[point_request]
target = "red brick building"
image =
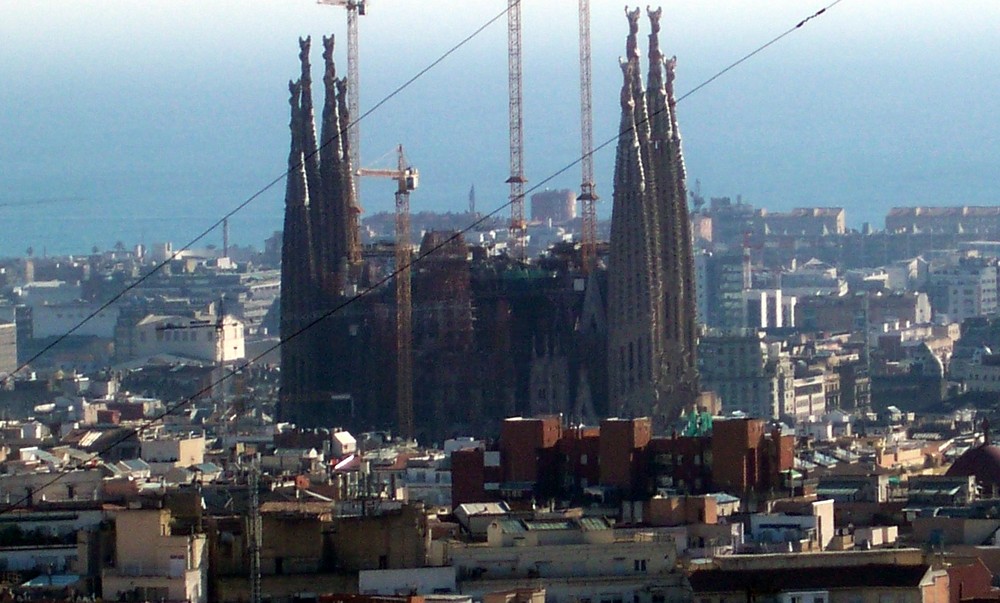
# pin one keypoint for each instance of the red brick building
(622, 442)
(537, 458)
(746, 457)
(523, 445)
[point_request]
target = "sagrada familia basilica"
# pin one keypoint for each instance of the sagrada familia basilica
(492, 336)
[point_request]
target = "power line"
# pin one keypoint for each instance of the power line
(758, 50)
(418, 258)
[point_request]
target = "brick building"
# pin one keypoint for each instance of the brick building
(539, 459)
(621, 443)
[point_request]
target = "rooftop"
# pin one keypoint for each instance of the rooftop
(811, 578)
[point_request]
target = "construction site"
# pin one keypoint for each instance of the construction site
(450, 335)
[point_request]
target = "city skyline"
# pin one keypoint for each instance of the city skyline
(181, 114)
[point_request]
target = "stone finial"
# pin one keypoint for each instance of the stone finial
(304, 45)
(671, 71)
(328, 49)
(342, 95)
(654, 18)
(632, 45)
(655, 56)
(345, 117)
(294, 91)
(626, 96)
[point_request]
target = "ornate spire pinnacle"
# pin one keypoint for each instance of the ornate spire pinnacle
(308, 121)
(293, 195)
(675, 131)
(332, 148)
(627, 104)
(353, 251)
(656, 94)
(632, 43)
(331, 221)
(654, 35)
(345, 120)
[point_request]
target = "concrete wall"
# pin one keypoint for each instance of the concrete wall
(680, 510)
(422, 581)
(657, 556)
(73, 485)
(953, 530)
(54, 558)
(393, 540)
(182, 452)
(912, 556)
(292, 544)
(148, 556)
(55, 320)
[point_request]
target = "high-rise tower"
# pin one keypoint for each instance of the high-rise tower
(651, 329)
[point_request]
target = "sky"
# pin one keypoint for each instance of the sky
(146, 121)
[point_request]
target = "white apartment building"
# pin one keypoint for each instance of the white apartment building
(8, 348)
(749, 374)
(966, 289)
(809, 398)
(203, 337)
(576, 560)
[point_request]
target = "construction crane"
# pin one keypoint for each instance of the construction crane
(355, 9)
(588, 196)
(518, 226)
(407, 179)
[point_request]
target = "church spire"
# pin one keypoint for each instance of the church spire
(296, 261)
(308, 121)
(650, 332)
(689, 329)
(353, 234)
(630, 274)
(334, 216)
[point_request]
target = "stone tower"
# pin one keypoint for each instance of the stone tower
(319, 245)
(652, 336)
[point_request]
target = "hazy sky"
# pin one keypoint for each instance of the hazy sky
(178, 109)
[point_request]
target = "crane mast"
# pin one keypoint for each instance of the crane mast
(588, 196)
(407, 179)
(518, 226)
(355, 8)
